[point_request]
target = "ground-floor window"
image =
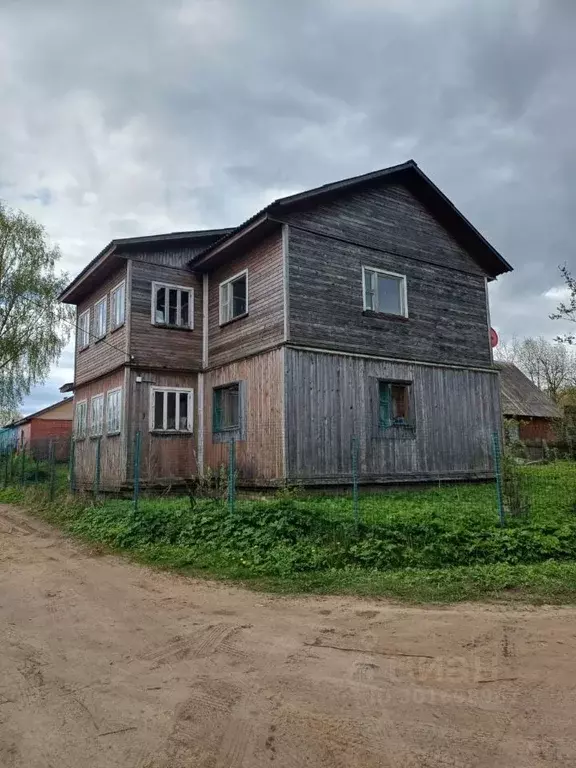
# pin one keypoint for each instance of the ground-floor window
(393, 404)
(171, 410)
(113, 411)
(80, 419)
(96, 415)
(226, 408)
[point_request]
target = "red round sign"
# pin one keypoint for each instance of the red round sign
(493, 337)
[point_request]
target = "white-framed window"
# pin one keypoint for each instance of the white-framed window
(84, 330)
(172, 305)
(117, 305)
(234, 297)
(100, 317)
(384, 292)
(113, 411)
(171, 409)
(96, 415)
(80, 419)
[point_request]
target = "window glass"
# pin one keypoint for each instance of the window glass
(384, 292)
(117, 304)
(226, 406)
(172, 305)
(158, 410)
(113, 411)
(171, 410)
(184, 308)
(96, 414)
(80, 426)
(233, 298)
(160, 315)
(183, 411)
(393, 404)
(84, 329)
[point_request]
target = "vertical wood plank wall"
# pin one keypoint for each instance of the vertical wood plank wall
(330, 400)
(260, 456)
(164, 458)
(112, 448)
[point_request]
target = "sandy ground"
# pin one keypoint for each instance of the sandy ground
(104, 663)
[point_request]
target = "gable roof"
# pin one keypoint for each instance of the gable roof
(41, 412)
(521, 397)
(114, 254)
(409, 174)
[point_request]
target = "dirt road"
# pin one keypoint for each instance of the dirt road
(105, 664)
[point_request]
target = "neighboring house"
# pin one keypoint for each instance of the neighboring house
(355, 310)
(531, 416)
(52, 424)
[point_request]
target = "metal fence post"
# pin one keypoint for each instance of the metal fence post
(23, 464)
(231, 474)
(71, 464)
(498, 470)
(97, 469)
(52, 463)
(354, 446)
(137, 443)
(6, 461)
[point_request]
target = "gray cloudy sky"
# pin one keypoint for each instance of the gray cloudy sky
(144, 116)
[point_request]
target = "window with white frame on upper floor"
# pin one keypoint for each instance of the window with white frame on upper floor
(96, 415)
(384, 292)
(117, 305)
(113, 411)
(80, 419)
(84, 329)
(234, 297)
(171, 409)
(100, 317)
(172, 305)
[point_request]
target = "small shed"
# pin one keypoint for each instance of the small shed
(53, 423)
(531, 413)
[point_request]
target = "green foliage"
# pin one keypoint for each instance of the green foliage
(34, 325)
(434, 543)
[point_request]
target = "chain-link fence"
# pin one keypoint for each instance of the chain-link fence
(486, 481)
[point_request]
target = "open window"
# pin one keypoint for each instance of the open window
(384, 292)
(171, 410)
(172, 305)
(234, 297)
(394, 405)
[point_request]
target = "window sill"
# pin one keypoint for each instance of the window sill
(116, 433)
(96, 437)
(234, 319)
(80, 438)
(170, 327)
(83, 349)
(171, 432)
(384, 315)
(398, 432)
(99, 339)
(116, 328)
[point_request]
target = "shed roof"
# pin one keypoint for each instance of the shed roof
(521, 397)
(41, 412)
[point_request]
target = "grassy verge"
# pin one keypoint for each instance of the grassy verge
(434, 545)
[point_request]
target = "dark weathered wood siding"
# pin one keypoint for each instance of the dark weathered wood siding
(260, 455)
(332, 398)
(448, 319)
(112, 448)
(164, 458)
(152, 345)
(104, 354)
(264, 325)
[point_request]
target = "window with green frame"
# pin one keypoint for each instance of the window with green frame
(226, 408)
(393, 404)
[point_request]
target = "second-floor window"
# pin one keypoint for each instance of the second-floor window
(172, 305)
(100, 318)
(84, 330)
(384, 292)
(234, 297)
(117, 305)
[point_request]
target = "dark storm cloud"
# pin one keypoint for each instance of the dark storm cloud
(137, 117)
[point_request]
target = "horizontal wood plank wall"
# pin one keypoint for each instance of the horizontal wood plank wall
(152, 345)
(447, 318)
(260, 456)
(108, 353)
(163, 458)
(330, 399)
(112, 448)
(388, 216)
(264, 325)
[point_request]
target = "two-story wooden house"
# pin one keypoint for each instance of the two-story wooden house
(355, 310)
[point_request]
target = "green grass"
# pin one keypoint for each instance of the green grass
(434, 544)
